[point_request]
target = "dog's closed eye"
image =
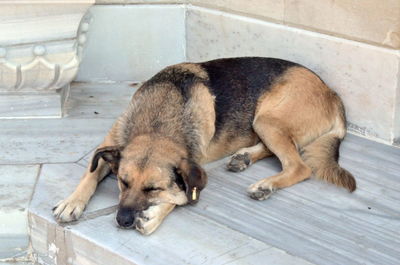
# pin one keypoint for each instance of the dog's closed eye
(152, 189)
(124, 183)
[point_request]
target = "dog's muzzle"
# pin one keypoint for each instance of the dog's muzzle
(126, 217)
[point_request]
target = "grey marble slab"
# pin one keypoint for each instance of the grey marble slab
(16, 188)
(312, 221)
(98, 101)
(16, 263)
(50, 140)
(57, 181)
(315, 220)
(34, 105)
(85, 160)
(184, 238)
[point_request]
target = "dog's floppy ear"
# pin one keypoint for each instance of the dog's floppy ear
(110, 154)
(194, 178)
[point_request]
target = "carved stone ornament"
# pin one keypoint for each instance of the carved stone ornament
(40, 47)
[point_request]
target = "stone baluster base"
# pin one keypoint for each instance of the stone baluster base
(40, 48)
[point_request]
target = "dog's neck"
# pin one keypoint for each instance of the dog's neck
(154, 146)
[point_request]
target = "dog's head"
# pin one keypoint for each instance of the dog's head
(150, 173)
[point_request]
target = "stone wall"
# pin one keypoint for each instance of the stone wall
(371, 21)
(353, 45)
(132, 42)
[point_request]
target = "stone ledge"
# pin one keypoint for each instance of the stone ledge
(359, 226)
(365, 76)
(185, 237)
(346, 19)
(16, 188)
(28, 105)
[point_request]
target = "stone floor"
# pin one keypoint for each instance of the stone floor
(309, 223)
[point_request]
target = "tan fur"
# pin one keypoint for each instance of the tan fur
(193, 68)
(152, 174)
(301, 103)
(201, 105)
(256, 152)
(319, 155)
(243, 158)
(285, 126)
(225, 146)
(152, 217)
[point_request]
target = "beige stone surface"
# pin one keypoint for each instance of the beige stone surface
(371, 21)
(368, 20)
(111, 2)
(365, 76)
(273, 9)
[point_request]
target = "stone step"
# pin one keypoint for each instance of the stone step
(16, 188)
(184, 238)
(311, 222)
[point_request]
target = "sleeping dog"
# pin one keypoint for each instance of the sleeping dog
(193, 113)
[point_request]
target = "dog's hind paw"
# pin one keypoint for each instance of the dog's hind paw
(68, 210)
(259, 193)
(239, 162)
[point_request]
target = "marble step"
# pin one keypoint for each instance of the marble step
(184, 238)
(309, 223)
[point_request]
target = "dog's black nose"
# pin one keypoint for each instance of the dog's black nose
(125, 217)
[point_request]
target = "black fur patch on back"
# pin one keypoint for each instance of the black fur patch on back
(237, 83)
(182, 79)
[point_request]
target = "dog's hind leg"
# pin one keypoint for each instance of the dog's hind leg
(243, 158)
(71, 208)
(277, 139)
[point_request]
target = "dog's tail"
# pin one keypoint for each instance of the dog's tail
(323, 153)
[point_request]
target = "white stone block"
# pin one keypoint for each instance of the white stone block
(396, 133)
(26, 22)
(40, 44)
(17, 183)
(132, 42)
(33, 105)
(28, 141)
(365, 76)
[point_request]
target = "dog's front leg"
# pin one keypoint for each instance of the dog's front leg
(71, 208)
(148, 220)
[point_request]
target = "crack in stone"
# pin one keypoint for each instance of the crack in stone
(92, 215)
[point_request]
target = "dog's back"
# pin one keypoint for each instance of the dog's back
(212, 108)
(237, 84)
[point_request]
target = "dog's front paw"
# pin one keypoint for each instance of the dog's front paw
(148, 220)
(146, 225)
(68, 210)
(239, 162)
(259, 192)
